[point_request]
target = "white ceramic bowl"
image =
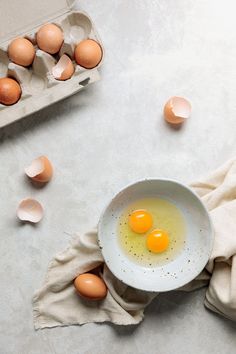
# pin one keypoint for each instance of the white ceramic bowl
(188, 264)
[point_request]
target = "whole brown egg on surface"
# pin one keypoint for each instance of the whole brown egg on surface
(88, 53)
(90, 286)
(21, 51)
(50, 38)
(10, 91)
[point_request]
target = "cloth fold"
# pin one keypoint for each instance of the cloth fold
(57, 303)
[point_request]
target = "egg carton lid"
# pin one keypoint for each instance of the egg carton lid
(20, 16)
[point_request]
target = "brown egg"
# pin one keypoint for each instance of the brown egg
(10, 91)
(64, 69)
(177, 110)
(90, 286)
(49, 38)
(88, 53)
(40, 170)
(21, 51)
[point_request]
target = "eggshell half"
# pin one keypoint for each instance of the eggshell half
(64, 69)
(177, 110)
(40, 170)
(90, 286)
(30, 210)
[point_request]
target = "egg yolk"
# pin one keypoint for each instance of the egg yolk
(157, 241)
(140, 221)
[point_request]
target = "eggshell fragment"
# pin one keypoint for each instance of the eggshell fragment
(30, 210)
(21, 51)
(64, 69)
(177, 110)
(90, 286)
(10, 91)
(50, 38)
(88, 53)
(40, 170)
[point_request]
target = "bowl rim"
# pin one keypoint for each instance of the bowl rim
(182, 185)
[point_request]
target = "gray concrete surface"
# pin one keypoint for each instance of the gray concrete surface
(107, 136)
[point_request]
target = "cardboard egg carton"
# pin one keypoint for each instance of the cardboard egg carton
(39, 87)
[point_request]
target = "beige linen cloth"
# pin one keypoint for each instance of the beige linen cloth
(57, 303)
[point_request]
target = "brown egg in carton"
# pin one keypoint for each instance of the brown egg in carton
(50, 77)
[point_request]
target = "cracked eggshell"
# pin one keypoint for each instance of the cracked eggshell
(30, 210)
(64, 69)
(177, 110)
(40, 170)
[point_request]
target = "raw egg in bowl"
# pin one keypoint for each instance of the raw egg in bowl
(156, 235)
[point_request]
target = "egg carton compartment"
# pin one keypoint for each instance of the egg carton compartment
(39, 86)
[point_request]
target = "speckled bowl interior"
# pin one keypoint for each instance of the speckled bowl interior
(186, 266)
